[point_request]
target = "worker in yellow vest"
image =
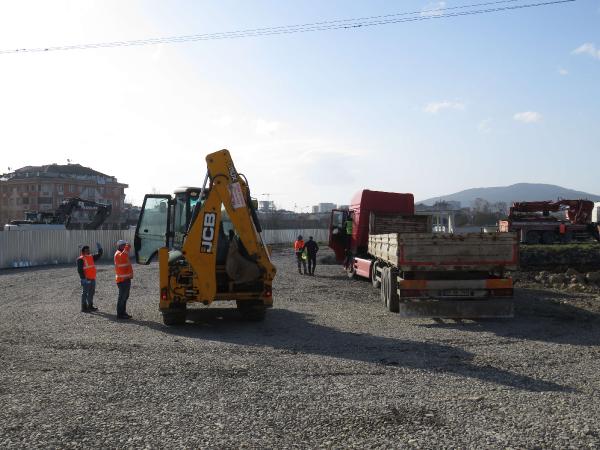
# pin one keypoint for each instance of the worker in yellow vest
(123, 276)
(86, 268)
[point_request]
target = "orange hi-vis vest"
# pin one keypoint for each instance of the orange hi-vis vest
(89, 268)
(123, 269)
(298, 246)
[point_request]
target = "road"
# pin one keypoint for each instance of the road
(329, 367)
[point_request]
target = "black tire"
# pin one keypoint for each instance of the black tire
(392, 298)
(252, 311)
(382, 291)
(174, 318)
(376, 282)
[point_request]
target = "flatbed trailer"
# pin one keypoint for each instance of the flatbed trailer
(445, 275)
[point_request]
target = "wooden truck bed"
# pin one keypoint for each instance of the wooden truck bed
(441, 252)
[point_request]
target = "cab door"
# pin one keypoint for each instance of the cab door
(339, 241)
(152, 230)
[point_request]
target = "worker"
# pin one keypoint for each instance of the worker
(299, 249)
(349, 225)
(311, 248)
(123, 275)
(86, 268)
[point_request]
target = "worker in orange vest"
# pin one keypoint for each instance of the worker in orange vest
(299, 250)
(86, 268)
(123, 276)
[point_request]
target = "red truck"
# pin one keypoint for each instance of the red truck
(420, 273)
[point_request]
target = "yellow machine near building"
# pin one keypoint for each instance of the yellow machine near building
(208, 244)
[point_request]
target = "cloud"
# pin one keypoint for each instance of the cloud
(528, 117)
(434, 9)
(436, 107)
(266, 128)
(484, 126)
(562, 71)
(589, 49)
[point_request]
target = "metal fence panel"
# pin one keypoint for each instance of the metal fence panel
(43, 247)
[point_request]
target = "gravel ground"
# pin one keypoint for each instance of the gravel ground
(328, 368)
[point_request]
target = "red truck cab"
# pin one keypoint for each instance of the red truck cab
(351, 249)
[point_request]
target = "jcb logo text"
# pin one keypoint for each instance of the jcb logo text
(208, 232)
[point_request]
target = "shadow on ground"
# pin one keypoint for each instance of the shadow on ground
(540, 315)
(296, 333)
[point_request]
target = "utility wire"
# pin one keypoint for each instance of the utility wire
(348, 24)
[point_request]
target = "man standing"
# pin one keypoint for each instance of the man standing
(311, 250)
(87, 273)
(298, 249)
(123, 275)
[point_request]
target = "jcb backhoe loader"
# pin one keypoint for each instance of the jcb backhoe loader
(208, 244)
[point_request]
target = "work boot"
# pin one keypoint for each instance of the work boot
(92, 308)
(85, 309)
(124, 316)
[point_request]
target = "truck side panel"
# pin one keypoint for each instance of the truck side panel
(442, 252)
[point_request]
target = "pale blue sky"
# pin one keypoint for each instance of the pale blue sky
(430, 107)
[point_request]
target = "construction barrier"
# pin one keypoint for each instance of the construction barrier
(44, 247)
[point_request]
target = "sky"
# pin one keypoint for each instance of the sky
(429, 107)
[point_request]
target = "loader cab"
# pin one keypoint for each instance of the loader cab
(164, 220)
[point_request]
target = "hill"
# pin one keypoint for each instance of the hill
(512, 193)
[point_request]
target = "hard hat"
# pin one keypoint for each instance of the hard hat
(121, 242)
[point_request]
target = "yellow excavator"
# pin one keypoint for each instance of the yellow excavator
(208, 244)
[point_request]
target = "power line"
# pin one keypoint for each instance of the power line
(338, 24)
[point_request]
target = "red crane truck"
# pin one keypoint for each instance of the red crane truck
(420, 273)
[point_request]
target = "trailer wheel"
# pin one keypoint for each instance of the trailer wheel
(392, 298)
(382, 285)
(376, 282)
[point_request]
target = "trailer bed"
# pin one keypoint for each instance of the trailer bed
(410, 252)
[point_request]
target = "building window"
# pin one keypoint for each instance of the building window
(25, 200)
(59, 188)
(71, 188)
(31, 187)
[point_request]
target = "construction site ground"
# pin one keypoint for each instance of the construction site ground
(329, 367)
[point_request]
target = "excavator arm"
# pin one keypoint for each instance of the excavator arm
(230, 190)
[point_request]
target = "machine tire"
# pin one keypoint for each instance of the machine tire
(252, 311)
(174, 318)
(391, 295)
(376, 283)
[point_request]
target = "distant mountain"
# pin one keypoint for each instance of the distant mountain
(513, 193)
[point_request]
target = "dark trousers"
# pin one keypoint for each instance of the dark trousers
(124, 287)
(312, 263)
(301, 262)
(88, 289)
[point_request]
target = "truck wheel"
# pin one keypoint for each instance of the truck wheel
(393, 301)
(174, 318)
(252, 311)
(376, 282)
(383, 284)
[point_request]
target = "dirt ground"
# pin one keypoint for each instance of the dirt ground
(329, 367)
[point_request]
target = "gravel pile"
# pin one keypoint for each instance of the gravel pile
(328, 368)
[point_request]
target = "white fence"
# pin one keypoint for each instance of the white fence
(43, 247)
